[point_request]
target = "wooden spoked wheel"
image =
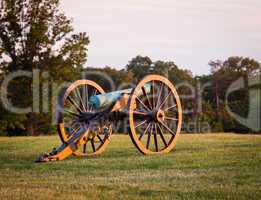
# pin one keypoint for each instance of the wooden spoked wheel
(73, 104)
(155, 115)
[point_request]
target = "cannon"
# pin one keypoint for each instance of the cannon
(86, 115)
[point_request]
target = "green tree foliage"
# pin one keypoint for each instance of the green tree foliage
(223, 75)
(36, 34)
(139, 66)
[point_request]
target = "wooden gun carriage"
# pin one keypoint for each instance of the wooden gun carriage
(86, 114)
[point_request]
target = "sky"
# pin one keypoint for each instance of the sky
(188, 32)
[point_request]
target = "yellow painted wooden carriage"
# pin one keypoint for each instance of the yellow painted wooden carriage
(86, 115)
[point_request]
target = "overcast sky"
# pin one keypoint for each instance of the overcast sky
(188, 32)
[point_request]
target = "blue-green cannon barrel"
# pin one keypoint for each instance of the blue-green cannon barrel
(107, 99)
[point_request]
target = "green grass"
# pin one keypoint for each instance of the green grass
(213, 166)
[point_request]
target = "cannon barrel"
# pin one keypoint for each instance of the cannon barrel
(107, 99)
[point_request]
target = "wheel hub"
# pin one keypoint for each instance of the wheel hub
(160, 116)
(157, 115)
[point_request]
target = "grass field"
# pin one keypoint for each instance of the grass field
(213, 166)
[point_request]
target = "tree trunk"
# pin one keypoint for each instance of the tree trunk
(30, 125)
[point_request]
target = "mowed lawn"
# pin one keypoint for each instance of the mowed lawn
(209, 166)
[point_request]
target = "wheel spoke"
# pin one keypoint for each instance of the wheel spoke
(93, 146)
(167, 109)
(145, 94)
(87, 96)
(152, 90)
(142, 104)
(146, 130)
(148, 139)
(99, 137)
(84, 99)
(80, 99)
(71, 113)
(159, 97)
(140, 124)
(74, 104)
(166, 127)
(75, 124)
(162, 136)
(155, 138)
(171, 118)
(139, 113)
(75, 130)
(84, 147)
(166, 98)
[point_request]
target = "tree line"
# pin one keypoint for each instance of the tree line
(37, 35)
